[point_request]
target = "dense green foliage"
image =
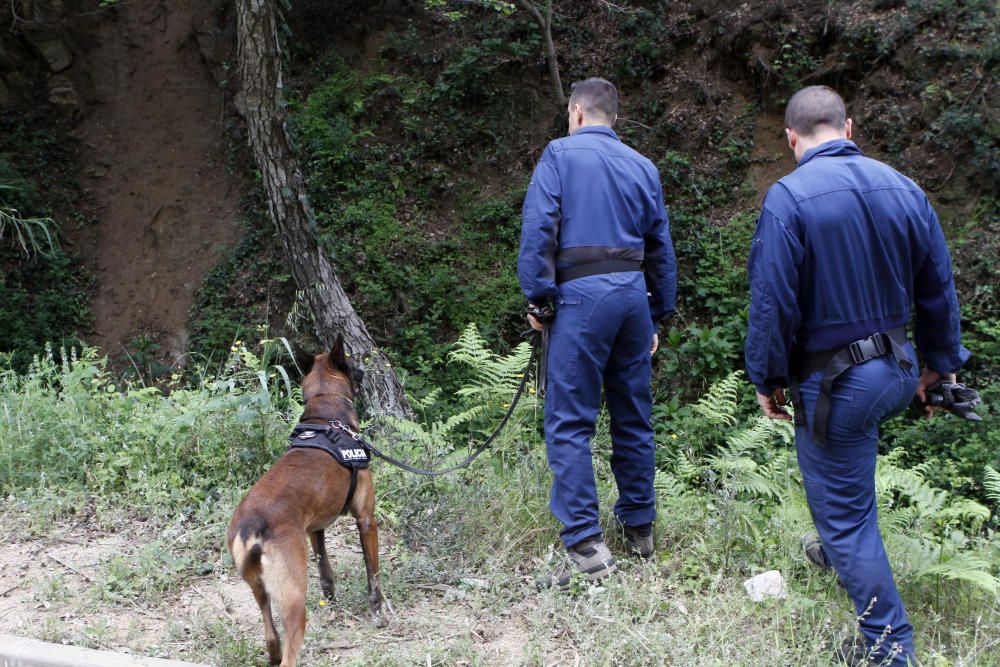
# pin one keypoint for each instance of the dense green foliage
(729, 498)
(417, 142)
(43, 292)
(416, 279)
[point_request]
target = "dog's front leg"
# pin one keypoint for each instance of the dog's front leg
(318, 540)
(368, 530)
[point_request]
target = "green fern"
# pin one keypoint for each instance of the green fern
(931, 525)
(991, 484)
(496, 379)
(496, 375)
(720, 404)
(667, 485)
(963, 566)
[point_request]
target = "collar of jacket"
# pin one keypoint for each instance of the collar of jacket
(600, 129)
(833, 148)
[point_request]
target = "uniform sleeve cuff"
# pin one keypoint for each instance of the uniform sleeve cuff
(947, 362)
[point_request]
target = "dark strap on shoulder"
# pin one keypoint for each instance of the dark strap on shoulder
(833, 364)
(596, 268)
(350, 490)
(324, 437)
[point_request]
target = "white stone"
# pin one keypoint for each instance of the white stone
(765, 585)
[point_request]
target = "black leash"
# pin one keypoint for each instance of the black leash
(539, 341)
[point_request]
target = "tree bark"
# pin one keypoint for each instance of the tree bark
(550, 49)
(259, 60)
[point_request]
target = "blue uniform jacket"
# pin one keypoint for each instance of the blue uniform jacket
(844, 245)
(589, 189)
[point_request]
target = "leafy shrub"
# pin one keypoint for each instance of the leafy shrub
(70, 426)
(43, 290)
(407, 272)
(42, 298)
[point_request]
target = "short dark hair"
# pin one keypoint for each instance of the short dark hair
(595, 96)
(815, 106)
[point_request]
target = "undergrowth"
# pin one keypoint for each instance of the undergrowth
(74, 445)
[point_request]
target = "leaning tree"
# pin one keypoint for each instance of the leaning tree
(259, 58)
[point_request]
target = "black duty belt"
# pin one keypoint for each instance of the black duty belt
(833, 363)
(597, 268)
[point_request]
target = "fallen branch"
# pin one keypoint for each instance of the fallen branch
(215, 604)
(70, 567)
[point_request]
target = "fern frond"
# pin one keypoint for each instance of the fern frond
(964, 567)
(964, 510)
(668, 486)
(991, 484)
(898, 519)
(720, 404)
(496, 376)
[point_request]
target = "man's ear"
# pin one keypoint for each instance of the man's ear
(337, 359)
(793, 138)
(848, 128)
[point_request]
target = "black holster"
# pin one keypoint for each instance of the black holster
(834, 363)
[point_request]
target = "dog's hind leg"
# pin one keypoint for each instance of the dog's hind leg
(363, 509)
(246, 544)
(270, 634)
(285, 574)
(318, 540)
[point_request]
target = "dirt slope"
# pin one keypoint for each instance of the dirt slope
(153, 162)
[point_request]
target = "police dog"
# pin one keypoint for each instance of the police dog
(293, 502)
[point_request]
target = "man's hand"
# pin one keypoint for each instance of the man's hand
(533, 321)
(927, 378)
(771, 405)
(656, 344)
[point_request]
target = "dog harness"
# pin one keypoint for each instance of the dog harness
(336, 442)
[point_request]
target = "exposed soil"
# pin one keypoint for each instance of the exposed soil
(154, 167)
(50, 589)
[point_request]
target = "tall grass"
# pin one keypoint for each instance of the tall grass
(729, 498)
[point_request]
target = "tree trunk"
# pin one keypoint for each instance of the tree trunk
(259, 60)
(550, 49)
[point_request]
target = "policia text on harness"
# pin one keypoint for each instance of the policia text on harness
(833, 364)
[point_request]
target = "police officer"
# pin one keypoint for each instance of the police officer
(845, 248)
(595, 244)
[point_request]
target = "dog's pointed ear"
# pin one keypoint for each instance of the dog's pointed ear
(337, 358)
(303, 360)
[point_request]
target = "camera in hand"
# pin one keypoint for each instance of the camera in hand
(954, 397)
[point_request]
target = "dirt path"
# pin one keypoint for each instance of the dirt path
(83, 585)
(153, 162)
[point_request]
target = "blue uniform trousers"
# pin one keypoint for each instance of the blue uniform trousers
(839, 482)
(601, 337)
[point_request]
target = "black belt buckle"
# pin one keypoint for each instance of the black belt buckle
(868, 348)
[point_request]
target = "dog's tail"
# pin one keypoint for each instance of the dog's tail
(247, 545)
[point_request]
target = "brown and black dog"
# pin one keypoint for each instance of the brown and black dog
(303, 493)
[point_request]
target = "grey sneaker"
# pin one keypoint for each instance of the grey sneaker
(590, 557)
(640, 540)
(813, 548)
